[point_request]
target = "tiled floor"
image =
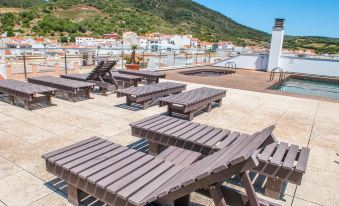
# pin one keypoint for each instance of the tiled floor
(26, 135)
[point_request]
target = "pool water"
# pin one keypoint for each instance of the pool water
(314, 87)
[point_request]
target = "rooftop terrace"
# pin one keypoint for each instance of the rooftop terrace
(26, 135)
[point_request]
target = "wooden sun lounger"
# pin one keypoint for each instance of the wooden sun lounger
(30, 93)
(191, 102)
(97, 75)
(118, 176)
(145, 94)
(279, 162)
(73, 88)
(123, 80)
(149, 76)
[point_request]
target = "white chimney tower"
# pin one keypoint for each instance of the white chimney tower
(276, 44)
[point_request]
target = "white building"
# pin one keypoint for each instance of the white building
(182, 41)
(129, 39)
(85, 41)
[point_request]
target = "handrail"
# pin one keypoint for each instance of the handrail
(230, 67)
(277, 70)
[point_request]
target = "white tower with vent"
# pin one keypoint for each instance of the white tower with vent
(276, 44)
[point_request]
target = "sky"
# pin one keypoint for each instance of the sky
(303, 17)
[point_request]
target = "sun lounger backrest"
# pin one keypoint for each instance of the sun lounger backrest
(101, 70)
(239, 151)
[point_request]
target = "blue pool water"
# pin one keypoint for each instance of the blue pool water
(314, 87)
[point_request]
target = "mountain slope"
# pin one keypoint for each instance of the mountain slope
(71, 18)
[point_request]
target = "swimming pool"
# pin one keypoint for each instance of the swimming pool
(315, 86)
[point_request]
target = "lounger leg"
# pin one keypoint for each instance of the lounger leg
(49, 100)
(252, 197)
(217, 196)
(273, 187)
(103, 91)
(220, 103)
(183, 201)
(153, 148)
(88, 93)
(128, 102)
(145, 105)
(169, 110)
(73, 195)
(209, 107)
(190, 116)
(26, 104)
(11, 99)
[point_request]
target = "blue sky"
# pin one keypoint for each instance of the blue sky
(303, 17)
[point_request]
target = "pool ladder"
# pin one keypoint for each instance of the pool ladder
(230, 67)
(281, 74)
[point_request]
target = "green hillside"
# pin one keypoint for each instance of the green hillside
(70, 18)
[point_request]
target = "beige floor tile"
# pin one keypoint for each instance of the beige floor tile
(124, 138)
(52, 199)
(22, 188)
(317, 194)
(7, 168)
(300, 202)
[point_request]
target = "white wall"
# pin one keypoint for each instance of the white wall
(310, 66)
(256, 62)
(275, 49)
(292, 64)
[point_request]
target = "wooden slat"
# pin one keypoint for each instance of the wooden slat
(133, 176)
(89, 156)
(229, 139)
(279, 154)
(257, 141)
(211, 137)
(70, 147)
(140, 196)
(178, 128)
(99, 159)
(78, 155)
(144, 120)
(124, 169)
(75, 150)
(268, 151)
(166, 152)
(302, 160)
(99, 167)
(291, 157)
(192, 132)
(200, 134)
(144, 180)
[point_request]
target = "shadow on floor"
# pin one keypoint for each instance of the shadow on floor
(20, 103)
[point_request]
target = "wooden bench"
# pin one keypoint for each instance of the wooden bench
(30, 93)
(149, 76)
(279, 162)
(118, 175)
(145, 94)
(74, 89)
(191, 102)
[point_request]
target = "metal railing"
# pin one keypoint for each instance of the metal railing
(25, 61)
(277, 70)
(230, 67)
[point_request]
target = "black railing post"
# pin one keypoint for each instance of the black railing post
(65, 61)
(196, 57)
(209, 57)
(143, 58)
(160, 59)
(186, 58)
(25, 69)
(174, 59)
(122, 59)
